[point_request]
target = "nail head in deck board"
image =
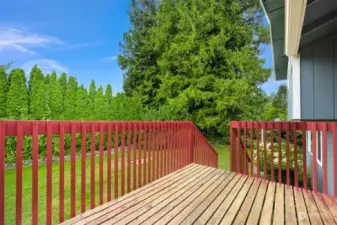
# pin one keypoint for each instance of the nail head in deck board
(231, 213)
(290, 206)
(311, 207)
(248, 203)
(279, 205)
(301, 209)
(207, 214)
(117, 214)
(218, 215)
(255, 212)
(207, 202)
(170, 215)
(151, 208)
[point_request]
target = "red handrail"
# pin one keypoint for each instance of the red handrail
(149, 150)
(286, 134)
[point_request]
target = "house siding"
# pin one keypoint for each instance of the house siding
(319, 81)
(318, 90)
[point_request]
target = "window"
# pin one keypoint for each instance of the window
(319, 145)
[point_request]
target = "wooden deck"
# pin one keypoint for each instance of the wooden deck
(203, 195)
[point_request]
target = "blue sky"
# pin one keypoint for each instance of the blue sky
(78, 37)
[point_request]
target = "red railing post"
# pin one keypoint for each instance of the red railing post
(294, 130)
(134, 136)
(139, 126)
(49, 173)
(19, 141)
(304, 155)
(2, 171)
(101, 138)
(314, 157)
(116, 160)
(245, 147)
(73, 171)
(264, 127)
(325, 159)
(123, 159)
(109, 162)
(129, 157)
(334, 150)
(83, 167)
(287, 153)
(61, 171)
(258, 149)
(92, 166)
(35, 176)
(272, 151)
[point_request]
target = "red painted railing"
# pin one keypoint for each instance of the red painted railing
(277, 151)
(145, 151)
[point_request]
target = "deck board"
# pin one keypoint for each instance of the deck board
(203, 195)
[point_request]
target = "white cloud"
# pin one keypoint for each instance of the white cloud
(79, 45)
(46, 65)
(23, 41)
(110, 59)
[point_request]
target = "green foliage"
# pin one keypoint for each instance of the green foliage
(83, 101)
(3, 92)
(70, 103)
(277, 105)
(54, 96)
(100, 106)
(37, 95)
(63, 84)
(108, 94)
(17, 97)
(201, 59)
(139, 58)
(92, 93)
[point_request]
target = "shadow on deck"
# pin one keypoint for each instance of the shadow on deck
(203, 195)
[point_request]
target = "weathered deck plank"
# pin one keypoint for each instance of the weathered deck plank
(301, 208)
(203, 195)
(279, 205)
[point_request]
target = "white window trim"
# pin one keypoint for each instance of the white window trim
(309, 137)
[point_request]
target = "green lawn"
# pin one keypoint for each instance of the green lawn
(223, 155)
(10, 189)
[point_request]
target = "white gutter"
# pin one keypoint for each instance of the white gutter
(294, 16)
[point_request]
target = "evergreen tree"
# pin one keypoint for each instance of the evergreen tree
(37, 96)
(108, 94)
(17, 97)
(83, 100)
(70, 103)
(139, 56)
(54, 96)
(3, 93)
(206, 60)
(46, 79)
(63, 84)
(92, 95)
(101, 105)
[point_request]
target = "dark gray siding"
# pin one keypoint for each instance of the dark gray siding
(318, 81)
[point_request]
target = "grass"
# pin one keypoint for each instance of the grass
(10, 189)
(223, 155)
